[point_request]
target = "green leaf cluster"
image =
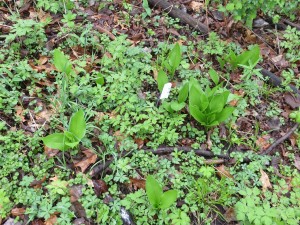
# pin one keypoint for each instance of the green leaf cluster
(157, 198)
(209, 107)
(71, 137)
(246, 58)
(171, 64)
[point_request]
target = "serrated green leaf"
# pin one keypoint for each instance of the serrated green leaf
(176, 106)
(224, 114)
(183, 93)
(78, 125)
(162, 79)
(56, 141)
(168, 198)
(154, 191)
(214, 76)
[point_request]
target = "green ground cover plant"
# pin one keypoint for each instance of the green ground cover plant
(86, 139)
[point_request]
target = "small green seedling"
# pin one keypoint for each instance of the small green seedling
(175, 106)
(209, 107)
(246, 58)
(171, 64)
(72, 137)
(61, 62)
(296, 116)
(157, 198)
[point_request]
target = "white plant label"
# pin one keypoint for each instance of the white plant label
(166, 91)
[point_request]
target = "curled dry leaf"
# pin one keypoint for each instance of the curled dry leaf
(265, 180)
(292, 101)
(50, 152)
(196, 6)
(100, 187)
(222, 171)
(262, 142)
(297, 162)
(18, 211)
(51, 220)
(90, 158)
(75, 192)
(136, 184)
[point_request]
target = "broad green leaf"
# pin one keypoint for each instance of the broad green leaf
(214, 76)
(100, 79)
(168, 198)
(183, 93)
(167, 106)
(224, 114)
(61, 62)
(251, 55)
(221, 62)
(146, 7)
(56, 141)
(230, 7)
(197, 114)
(175, 58)
(77, 124)
(216, 104)
(225, 96)
(198, 98)
(162, 79)
(154, 191)
(70, 139)
(177, 106)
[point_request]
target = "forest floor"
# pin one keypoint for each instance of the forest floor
(90, 135)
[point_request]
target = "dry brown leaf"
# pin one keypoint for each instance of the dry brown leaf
(292, 101)
(137, 183)
(222, 171)
(19, 113)
(43, 59)
(38, 183)
(100, 187)
(139, 142)
(75, 192)
(265, 181)
(90, 158)
(51, 220)
(155, 74)
(18, 211)
(229, 215)
(196, 6)
(50, 152)
(297, 162)
(262, 142)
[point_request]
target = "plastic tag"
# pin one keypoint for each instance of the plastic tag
(166, 91)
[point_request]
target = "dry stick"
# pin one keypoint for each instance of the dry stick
(164, 151)
(104, 31)
(177, 13)
(297, 26)
(280, 140)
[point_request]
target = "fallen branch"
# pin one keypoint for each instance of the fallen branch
(164, 151)
(104, 31)
(177, 13)
(297, 26)
(280, 140)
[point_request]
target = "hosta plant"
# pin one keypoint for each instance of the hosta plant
(69, 138)
(209, 107)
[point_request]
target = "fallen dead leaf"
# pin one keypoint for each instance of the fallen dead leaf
(18, 211)
(297, 162)
(50, 152)
(139, 142)
(292, 101)
(100, 187)
(262, 142)
(51, 220)
(265, 181)
(222, 171)
(155, 74)
(43, 59)
(229, 215)
(136, 184)
(75, 192)
(90, 158)
(196, 6)
(38, 183)
(19, 113)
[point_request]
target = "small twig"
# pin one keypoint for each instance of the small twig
(280, 140)
(297, 26)
(164, 151)
(104, 31)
